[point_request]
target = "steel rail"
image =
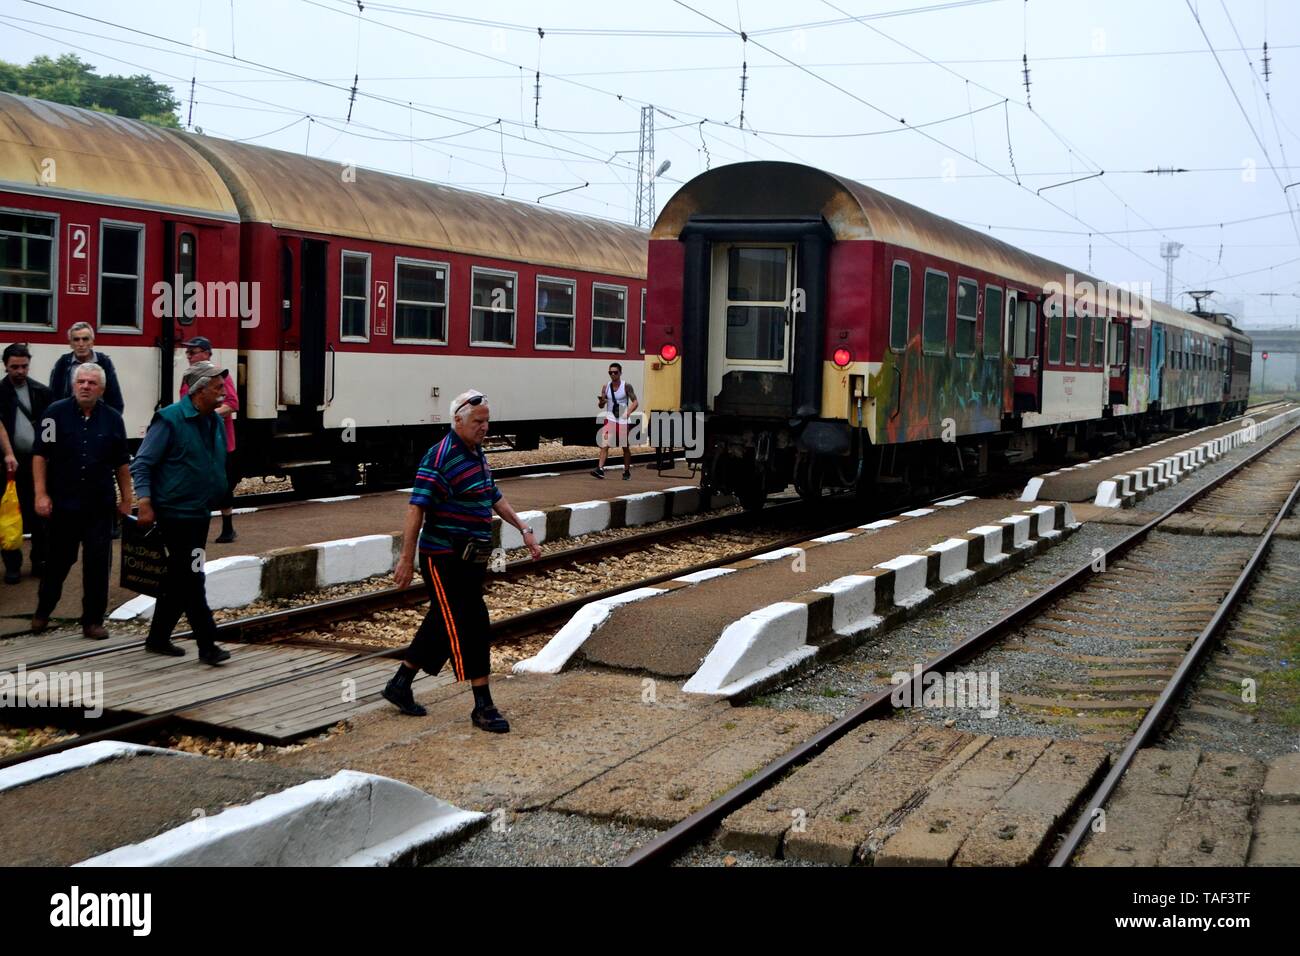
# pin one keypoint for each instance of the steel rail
(1165, 704)
(675, 840)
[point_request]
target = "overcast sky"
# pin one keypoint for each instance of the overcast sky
(447, 93)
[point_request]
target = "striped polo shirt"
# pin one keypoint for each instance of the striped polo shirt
(455, 488)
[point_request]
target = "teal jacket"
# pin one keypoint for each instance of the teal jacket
(181, 464)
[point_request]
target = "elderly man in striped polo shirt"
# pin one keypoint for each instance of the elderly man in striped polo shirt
(450, 517)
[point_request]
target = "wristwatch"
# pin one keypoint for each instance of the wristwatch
(527, 531)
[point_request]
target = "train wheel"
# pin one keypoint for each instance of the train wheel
(752, 495)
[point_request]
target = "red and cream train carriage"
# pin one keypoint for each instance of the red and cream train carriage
(837, 337)
(355, 304)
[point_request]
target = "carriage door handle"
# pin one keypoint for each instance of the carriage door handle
(334, 371)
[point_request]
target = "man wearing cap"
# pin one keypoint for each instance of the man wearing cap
(450, 519)
(80, 449)
(199, 349)
(180, 475)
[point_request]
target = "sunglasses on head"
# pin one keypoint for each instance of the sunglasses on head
(475, 401)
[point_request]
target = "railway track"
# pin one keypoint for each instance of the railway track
(282, 626)
(1272, 490)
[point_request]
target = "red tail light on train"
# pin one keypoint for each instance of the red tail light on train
(842, 358)
(668, 353)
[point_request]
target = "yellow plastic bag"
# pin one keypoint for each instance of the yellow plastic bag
(11, 520)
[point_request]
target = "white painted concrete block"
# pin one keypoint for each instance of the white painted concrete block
(992, 542)
(708, 574)
(326, 501)
(353, 559)
(139, 606)
(512, 537)
(1044, 521)
(1067, 517)
(909, 578)
(751, 646)
(953, 556)
(877, 525)
(552, 658)
(836, 536)
(586, 517)
(952, 502)
(76, 758)
(645, 507)
(1019, 525)
(235, 581)
(1108, 495)
(349, 819)
(1031, 490)
(918, 513)
(778, 554)
(854, 597)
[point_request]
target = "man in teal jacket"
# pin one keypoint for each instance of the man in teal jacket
(180, 476)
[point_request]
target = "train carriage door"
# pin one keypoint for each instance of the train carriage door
(752, 284)
(1026, 360)
(187, 303)
(312, 341)
(1157, 359)
(1117, 359)
(290, 387)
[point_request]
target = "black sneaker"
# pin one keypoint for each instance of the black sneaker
(489, 719)
(627, 476)
(167, 649)
(401, 697)
(214, 655)
(598, 472)
(12, 577)
(227, 536)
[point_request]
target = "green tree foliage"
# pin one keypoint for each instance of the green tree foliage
(72, 81)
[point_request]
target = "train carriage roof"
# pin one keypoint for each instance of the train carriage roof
(774, 190)
(69, 152)
(314, 195)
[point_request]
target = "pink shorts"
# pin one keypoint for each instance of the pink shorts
(615, 435)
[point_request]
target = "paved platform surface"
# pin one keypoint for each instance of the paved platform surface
(603, 745)
(309, 522)
(673, 636)
(1201, 808)
(1080, 483)
(64, 819)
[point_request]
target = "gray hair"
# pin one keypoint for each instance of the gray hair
(98, 371)
(458, 407)
(78, 326)
(201, 383)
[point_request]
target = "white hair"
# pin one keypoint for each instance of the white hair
(458, 407)
(78, 326)
(98, 370)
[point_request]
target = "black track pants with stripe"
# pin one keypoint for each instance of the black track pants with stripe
(456, 627)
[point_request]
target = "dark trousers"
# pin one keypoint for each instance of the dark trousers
(456, 627)
(184, 590)
(232, 481)
(33, 523)
(91, 531)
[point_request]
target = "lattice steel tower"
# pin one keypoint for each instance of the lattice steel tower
(645, 170)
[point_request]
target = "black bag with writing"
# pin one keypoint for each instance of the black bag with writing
(144, 559)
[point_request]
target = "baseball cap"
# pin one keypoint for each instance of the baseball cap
(202, 370)
(198, 342)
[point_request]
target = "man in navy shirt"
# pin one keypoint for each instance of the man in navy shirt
(80, 450)
(81, 337)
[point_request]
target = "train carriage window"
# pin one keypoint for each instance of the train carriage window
(27, 271)
(1031, 308)
(1099, 343)
(1054, 329)
(121, 275)
(492, 308)
(187, 252)
(968, 293)
(420, 301)
(1071, 339)
(900, 301)
(992, 344)
(1085, 340)
(556, 313)
(354, 301)
(286, 287)
(608, 318)
(1140, 340)
(934, 326)
(758, 302)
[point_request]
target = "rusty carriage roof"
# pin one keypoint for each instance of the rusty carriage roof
(67, 152)
(302, 193)
(777, 190)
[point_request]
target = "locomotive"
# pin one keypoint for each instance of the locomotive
(354, 304)
(834, 337)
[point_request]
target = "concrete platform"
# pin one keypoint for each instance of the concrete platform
(1143, 470)
(729, 637)
(273, 556)
(85, 806)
